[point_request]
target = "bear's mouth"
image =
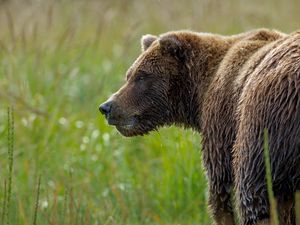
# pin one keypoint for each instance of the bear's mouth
(130, 126)
(127, 124)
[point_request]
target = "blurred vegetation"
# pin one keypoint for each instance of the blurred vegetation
(58, 61)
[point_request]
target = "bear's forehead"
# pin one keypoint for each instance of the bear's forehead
(146, 62)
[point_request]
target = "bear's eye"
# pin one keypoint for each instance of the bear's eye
(142, 76)
(139, 78)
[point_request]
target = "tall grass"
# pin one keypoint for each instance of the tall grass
(8, 186)
(58, 61)
(36, 207)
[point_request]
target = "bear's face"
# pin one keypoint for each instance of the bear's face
(143, 104)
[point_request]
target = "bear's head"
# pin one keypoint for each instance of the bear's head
(151, 97)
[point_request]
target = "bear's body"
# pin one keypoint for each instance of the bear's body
(270, 100)
(229, 88)
(219, 119)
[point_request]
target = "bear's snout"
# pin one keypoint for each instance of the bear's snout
(105, 108)
(116, 115)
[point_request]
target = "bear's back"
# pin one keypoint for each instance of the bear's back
(256, 59)
(249, 50)
(274, 69)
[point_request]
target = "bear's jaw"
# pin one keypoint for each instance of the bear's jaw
(125, 130)
(132, 130)
(127, 127)
(128, 131)
(126, 123)
(140, 126)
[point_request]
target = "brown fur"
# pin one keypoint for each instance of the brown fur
(229, 88)
(270, 100)
(219, 120)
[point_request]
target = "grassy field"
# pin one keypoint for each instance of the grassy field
(58, 61)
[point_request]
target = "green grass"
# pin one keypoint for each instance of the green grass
(58, 61)
(273, 204)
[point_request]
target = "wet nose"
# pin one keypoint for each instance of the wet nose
(105, 108)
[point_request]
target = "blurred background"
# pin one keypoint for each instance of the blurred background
(58, 61)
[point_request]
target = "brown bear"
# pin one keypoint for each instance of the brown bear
(229, 88)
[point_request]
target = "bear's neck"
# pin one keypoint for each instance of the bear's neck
(198, 73)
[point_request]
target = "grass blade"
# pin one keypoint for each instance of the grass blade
(4, 203)
(10, 141)
(272, 200)
(37, 201)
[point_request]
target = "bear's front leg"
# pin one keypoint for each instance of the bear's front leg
(217, 162)
(220, 204)
(218, 166)
(286, 211)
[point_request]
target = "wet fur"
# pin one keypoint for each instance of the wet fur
(270, 99)
(219, 118)
(229, 88)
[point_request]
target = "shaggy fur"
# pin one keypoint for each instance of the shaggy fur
(270, 100)
(219, 119)
(229, 88)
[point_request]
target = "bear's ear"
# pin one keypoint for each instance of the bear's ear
(147, 40)
(170, 44)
